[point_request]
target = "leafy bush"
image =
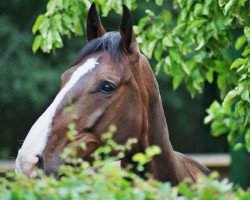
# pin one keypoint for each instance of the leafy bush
(105, 180)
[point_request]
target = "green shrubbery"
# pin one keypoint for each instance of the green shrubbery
(105, 180)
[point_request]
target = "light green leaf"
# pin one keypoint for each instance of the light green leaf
(246, 51)
(198, 9)
(210, 75)
(247, 33)
(240, 42)
(229, 97)
(245, 95)
(167, 41)
(37, 42)
(149, 13)
(229, 5)
(201, 44)
(185, 68)
(159, 2)
(222, 2)
(238, 147)
(140, 158)
(167, 17)
(209, 118)
(152, 151)
(38, 23)
(176, 81)
(247, 140)
(158, 51)
(238, 62)
(174, 54)
(218, 128)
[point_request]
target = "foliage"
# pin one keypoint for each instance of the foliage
(103, 179)
(20, 83)
(64, 17)
(191, 49)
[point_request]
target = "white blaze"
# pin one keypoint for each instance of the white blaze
(36, 139)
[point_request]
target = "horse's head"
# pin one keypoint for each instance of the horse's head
(108, 83)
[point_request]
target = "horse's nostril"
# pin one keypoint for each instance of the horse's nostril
(40, 163)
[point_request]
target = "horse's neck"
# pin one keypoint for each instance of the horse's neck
(164, 166)
(167, 166)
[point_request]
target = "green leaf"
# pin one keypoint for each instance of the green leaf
(44, 26)
(167, 41)
(140, 158)
(198, 9)
(159, 2)
(38, 22)
(208, 119)
(201, 44)
(174, 54)
(48, 42)
(222, 2)
(238, 147)
(185, 189)
(247, 33)
(246, 51)
(51, 6)
(185, 68)
(57, 39)
(37, 43)
(166, 17)
(247, 140)
(150, 13)
(210, 75)
(238, 62)
(245, 95)
(179, 28)
(218, 128)
(229, 5)
(152, 151)
(149, 48)
(240, 42)
(229, 98)
(176, 81)
(158, 51)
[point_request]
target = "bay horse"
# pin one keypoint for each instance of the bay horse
(109, 82)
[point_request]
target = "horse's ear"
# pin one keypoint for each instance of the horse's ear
(126, 31)
(94, 28)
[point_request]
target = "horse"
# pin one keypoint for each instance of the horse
(109, 82)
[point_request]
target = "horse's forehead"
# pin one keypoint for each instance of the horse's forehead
(107, 62)
(106, 65)
(110, 66)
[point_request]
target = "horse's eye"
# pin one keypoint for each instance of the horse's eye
(106, 87)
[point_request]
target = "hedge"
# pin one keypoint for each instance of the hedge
(102, 179)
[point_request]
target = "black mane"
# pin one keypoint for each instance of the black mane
(110, 42)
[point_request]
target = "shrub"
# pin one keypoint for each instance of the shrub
(103, 179)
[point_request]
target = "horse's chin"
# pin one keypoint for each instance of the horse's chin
(51, 167)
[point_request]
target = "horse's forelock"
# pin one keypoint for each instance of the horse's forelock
(110, 42)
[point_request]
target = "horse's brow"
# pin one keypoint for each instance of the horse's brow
(109, 76)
